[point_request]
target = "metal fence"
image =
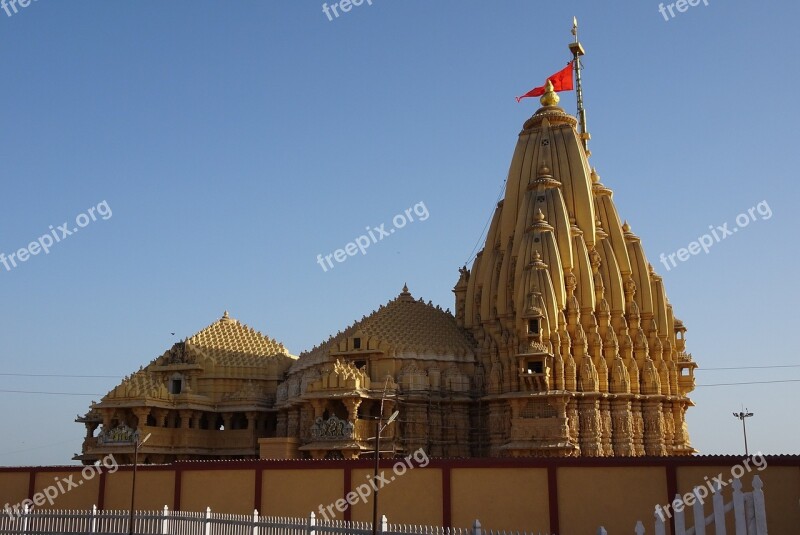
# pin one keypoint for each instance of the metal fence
(748, 510)
(166, 522)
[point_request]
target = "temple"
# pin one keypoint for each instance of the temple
(562, 344)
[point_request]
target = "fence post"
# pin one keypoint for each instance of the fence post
(699, 516)
(312, 522)
(718, 502)
(601, 531)
(476, 528)
(25, 512)
(680, 516)
(749, 515)
(738, 508)
(384, 524)
(93, 522)
(639, 529)
(255, 521)
(760, 506)
(208, 520)
(660, 525)
(165, 522)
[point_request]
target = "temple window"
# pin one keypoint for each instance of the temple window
(535, 367)
(356, 343)
(176, 384)
(533, 326)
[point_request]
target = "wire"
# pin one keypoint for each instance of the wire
(754, 382)
(38, 447)
(491, 215)
(61, 375)
(749, 367)
(48, 393)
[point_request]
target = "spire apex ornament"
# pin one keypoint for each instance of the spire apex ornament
(550, 97)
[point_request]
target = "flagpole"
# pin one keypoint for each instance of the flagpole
(577, 51)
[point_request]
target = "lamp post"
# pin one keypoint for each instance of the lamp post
(136, 446)
(741, 416)
(379, 427)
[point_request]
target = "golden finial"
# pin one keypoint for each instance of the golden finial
(225, 315)
(550, 97)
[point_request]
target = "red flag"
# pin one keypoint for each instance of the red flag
(562, 81)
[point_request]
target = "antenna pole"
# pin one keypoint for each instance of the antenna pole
(577, 52)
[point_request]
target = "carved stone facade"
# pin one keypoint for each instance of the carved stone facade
(211, 396)
(563, 343)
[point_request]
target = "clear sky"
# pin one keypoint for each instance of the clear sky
(233, 142)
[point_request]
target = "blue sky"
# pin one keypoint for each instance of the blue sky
(234, 142)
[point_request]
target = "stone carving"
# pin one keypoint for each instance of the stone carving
(122, 434)
(332, 429)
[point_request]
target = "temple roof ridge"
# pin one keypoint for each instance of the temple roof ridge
(402, 323)
(229, 335)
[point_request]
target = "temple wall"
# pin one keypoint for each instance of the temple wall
(484, 494)
(552, 495)
(154, 489)
(289, 492)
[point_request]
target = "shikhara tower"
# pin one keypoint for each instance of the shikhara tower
(580, 349)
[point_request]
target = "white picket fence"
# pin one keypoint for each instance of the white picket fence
(748, 508)
(166, 522)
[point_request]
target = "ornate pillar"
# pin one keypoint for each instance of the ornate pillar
(561, 431)
(186, 419)
(680, 439)
(653, 427)
(161, 417)
(280, 430)
(306, 420)
(496, 436)
(90, 428)
(638, 428)
(669, 427)
(141, 414)
(605, 430)
(573, 422)
(252, 418)
(227, 420)
(352, 405)
(293, 423)
(622, 427)
(590, 426)
(107, 417)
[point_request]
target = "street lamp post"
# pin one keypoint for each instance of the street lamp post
(741, 416)
(136, 446)
(379, 427)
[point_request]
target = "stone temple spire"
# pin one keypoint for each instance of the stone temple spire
(557, 235)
